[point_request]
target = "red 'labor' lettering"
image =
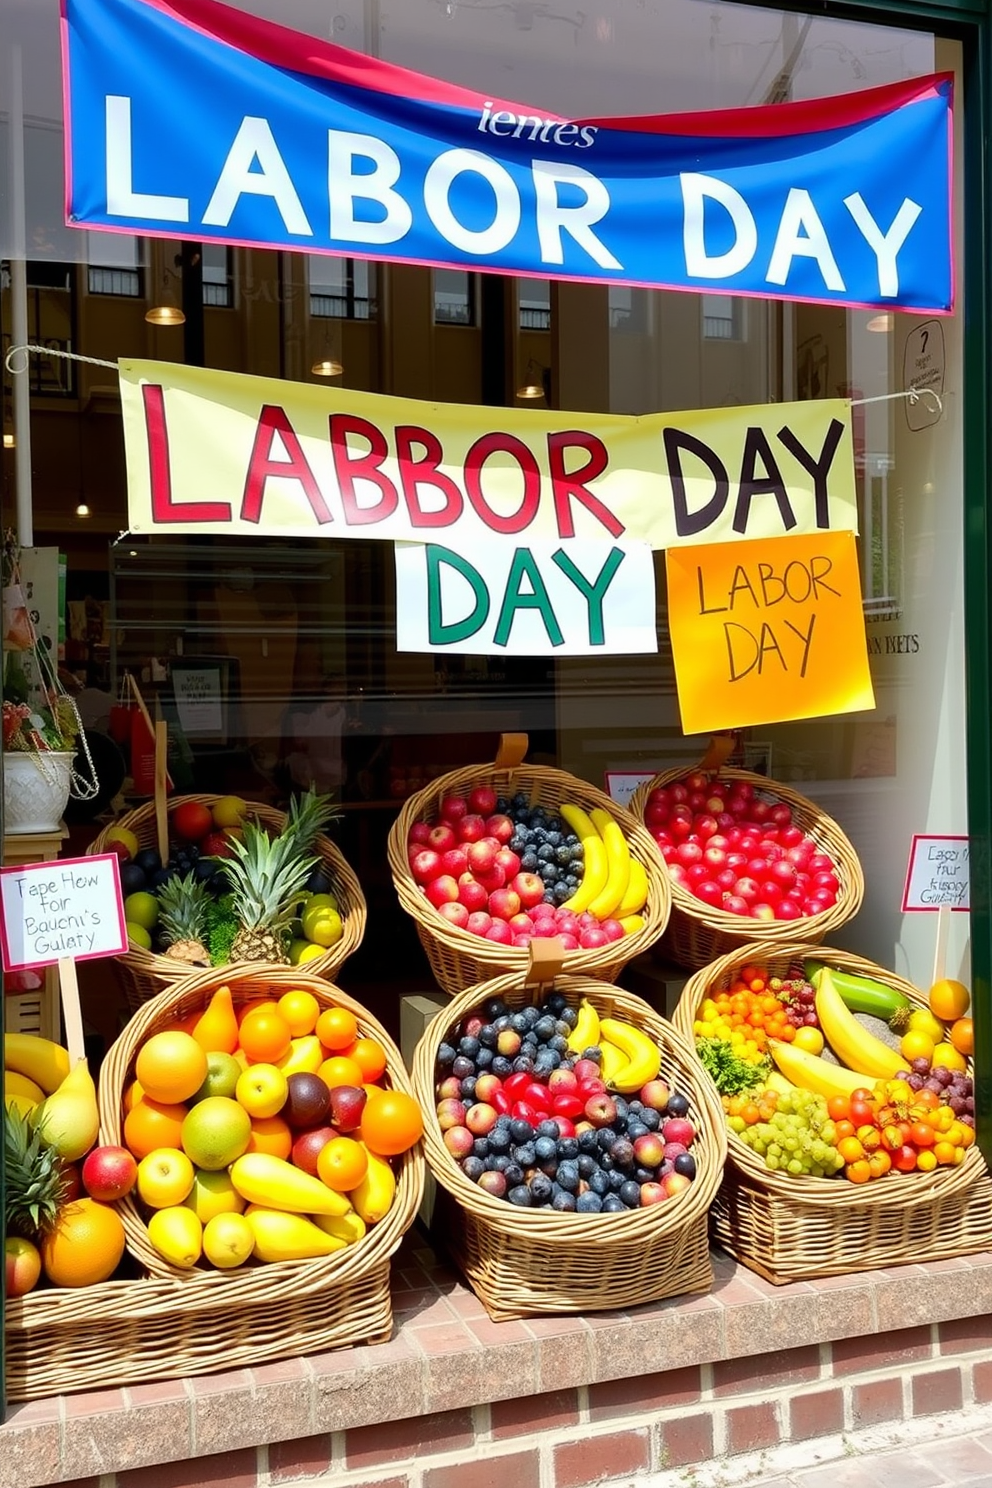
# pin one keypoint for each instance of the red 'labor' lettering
(164, 509)
(273, 421)
(571, 486)
(351, 466)
(491, 444)
(424, 471)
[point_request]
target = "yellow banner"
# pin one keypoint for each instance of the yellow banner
(218, 452)
(768, 631)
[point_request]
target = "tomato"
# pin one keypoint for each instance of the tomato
(862, 1110)
(191, 821)
(904, 1161)
(880, 1162)
(891, 1138)
(926, 1160)
(844, 1129)
(391, 1123)
(850, 1149)
(922, 1135)
(839, 1108)
(859, 1171)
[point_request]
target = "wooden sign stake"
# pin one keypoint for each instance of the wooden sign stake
(71, 1013)
(940, 948)
(161, 790)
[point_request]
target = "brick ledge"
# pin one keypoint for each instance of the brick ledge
(446, 1355)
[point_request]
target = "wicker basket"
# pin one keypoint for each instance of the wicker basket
(521, 1262)
(145, 974)
(251, 1285)
(697, 934)
(459, 959)
(795, 1228)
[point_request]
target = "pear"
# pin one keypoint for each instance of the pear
(69, 1120)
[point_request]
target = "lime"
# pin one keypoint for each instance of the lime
(325, 929)
(139, 935)
(223, 1074)
(141, 909)
(215, 1132)
(296, 949)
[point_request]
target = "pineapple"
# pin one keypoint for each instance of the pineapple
(37, 1184)
(184, 906)
(267, 876)
(307, 816)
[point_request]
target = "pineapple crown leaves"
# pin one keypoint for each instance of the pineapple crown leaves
(37, 1183)
(308, 815)
(267, 876)
(184, 906)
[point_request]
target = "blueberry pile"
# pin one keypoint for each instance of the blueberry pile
(145, 872)
(545, 845)
(498, 1115)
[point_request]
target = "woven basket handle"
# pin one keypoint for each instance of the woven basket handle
(720, 749)
(512, 751)
(547, 958)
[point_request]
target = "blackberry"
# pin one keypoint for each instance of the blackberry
(446, 1055)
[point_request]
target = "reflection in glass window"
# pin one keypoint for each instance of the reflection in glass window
(454, 297)
(629, 309)
(341, 288)
(114, 264)
(218, 276)
(723, 318)
(534, 303)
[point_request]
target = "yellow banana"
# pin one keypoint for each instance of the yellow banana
(348, 1227)
(632, 923)
(810, 1072)
(850, 1040)
(373, 1197)
(15, 1084)
(776, 1081)
(305, 1056)
(22, 1104)
(596, 867)
(276, 1184)
(613, 1061)
(636, 894)
(586, 1031)
(288, 1237)
(44, 1062)
(618, 863)
(643, 1054)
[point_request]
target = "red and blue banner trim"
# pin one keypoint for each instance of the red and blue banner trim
(190, 119)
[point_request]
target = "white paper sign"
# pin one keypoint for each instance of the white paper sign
(528, 599)
(69, 908)
(198, 699)
(938, 874)
(621, 784)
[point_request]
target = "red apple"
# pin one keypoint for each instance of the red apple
(450, 1088)
(482, 800)
(509, 861)
(560, 1080)
(493, 880)
(471, 829)
(454, 861)
(529, 888)
(481, 1118)
(425, 865)
(459, 1141)
(654, 1095)
(109, 1173)
(348, 1102)
(419, 834)
(649, 1150)
(585, 1069)
(613, 930)
(591, 940)
(443, 890)
(500, 827)
(675, 1183)
(678, 1129)
(601, 1110)
(734, 904)
(487, 1085)
(453, 911)
(652, 1193)
(521, 924)
(471, 894)
(22, 1266)
(308, 1147)
(442, 838)
(451, 1113)
(216, 845)
(479, 922)
(504, 904)
(453, 808)
(500, 932)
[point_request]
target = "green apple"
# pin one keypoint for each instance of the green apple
(223, 1073)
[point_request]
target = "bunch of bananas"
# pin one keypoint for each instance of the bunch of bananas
(614, 883)
(630, 1058)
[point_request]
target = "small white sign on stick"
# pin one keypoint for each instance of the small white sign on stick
(65, 909)
(938, 874)
(621, 784)
(521, 598)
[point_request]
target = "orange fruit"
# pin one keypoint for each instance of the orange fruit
(301, 1011)
(170, 1066)
(132, 1093)
(265, 1034)
(850, 1149)
(85, 1244)
(916, 1045)
(810, 1039)
(962, 1036)
(342, 1164)
(337, 1029)
(949, 999)
(370, 1057)
(339, 1070)
(150, 1124)
(859, 1171)
(391, 1122)
(272, 1135)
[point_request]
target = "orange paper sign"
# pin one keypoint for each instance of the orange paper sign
(767, 630)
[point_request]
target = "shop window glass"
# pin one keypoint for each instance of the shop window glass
(455, 296)
(341, 288)
(218, 275)
(723, 317)
(534, 304)
(115, 265)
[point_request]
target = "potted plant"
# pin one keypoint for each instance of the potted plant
(41, 725)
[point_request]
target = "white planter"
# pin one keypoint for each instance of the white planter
(35, 790)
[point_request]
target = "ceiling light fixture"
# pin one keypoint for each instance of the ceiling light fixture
(165, 315)
(881, 323)
(327, 367)
(9, 441)
(82, 510)
(535, 383)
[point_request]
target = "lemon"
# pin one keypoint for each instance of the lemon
(326, 929)
(321, 901)
(141, 909)
(216, 1131)
(310, 954)
(177, 1235)
(229, 811)
(212, 1194)
(296, 949)
(139, 935)
(228, 1240)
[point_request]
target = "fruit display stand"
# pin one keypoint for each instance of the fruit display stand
(796, 1227)
(697, 933)
(523, 1262)
(459, 958)
(145, 974)
(339, 1280)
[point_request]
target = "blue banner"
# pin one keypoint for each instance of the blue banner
(189, 119)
